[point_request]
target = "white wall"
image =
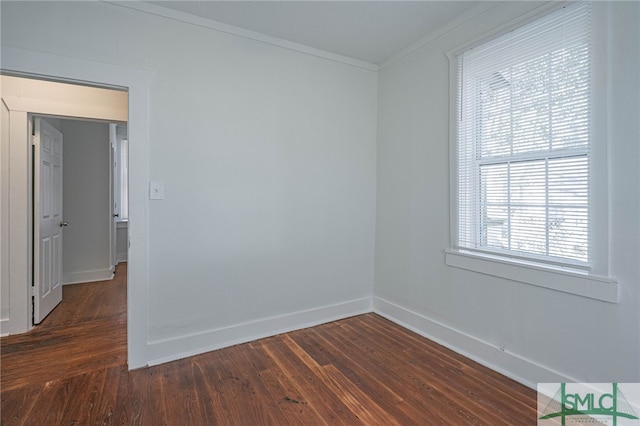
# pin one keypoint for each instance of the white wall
(531, 333)
(4, 217)
(122, 241)
(56, 123)
(86, 242)
(268, 160)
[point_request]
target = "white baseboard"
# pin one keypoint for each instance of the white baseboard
(514, 366)
(159, 352)
(8, 327)
(121, 257)
(88, 276)
(5, 327)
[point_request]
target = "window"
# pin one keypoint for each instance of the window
(523, 142)
(529, 154)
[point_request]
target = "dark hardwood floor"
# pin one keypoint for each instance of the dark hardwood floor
(86, 332)
(71, 370)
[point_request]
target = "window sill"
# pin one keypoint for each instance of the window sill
(567, 281)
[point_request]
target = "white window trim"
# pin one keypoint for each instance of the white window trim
(595, 283)
(560, 279)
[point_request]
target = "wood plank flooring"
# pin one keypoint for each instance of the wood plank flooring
(87, 331)
(362, 370)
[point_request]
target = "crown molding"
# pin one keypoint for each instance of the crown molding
(187, 18)
(434, 35)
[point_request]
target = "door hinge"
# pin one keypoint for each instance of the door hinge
(33, 291)
(32, 130)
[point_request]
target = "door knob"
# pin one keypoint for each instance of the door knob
(64, 224)
(116, 215)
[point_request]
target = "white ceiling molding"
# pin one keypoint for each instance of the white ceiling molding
(370, 31)
(460, 20)
(241, 32)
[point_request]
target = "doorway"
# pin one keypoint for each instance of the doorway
(86, 242)
(138, 83)
(28, 147)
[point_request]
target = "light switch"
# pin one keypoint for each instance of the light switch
(156, 191)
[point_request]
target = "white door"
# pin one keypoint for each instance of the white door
(47, 204)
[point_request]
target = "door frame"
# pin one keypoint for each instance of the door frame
(25, 63)
(113, 261)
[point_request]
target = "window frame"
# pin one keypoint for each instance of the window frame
(593, 281)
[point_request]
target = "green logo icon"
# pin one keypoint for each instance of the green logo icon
(585, 401)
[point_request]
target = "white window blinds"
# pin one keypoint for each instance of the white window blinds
(523, 141)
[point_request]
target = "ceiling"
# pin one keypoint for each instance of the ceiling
(371, 31)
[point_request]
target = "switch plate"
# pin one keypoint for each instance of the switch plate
(156, 191)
